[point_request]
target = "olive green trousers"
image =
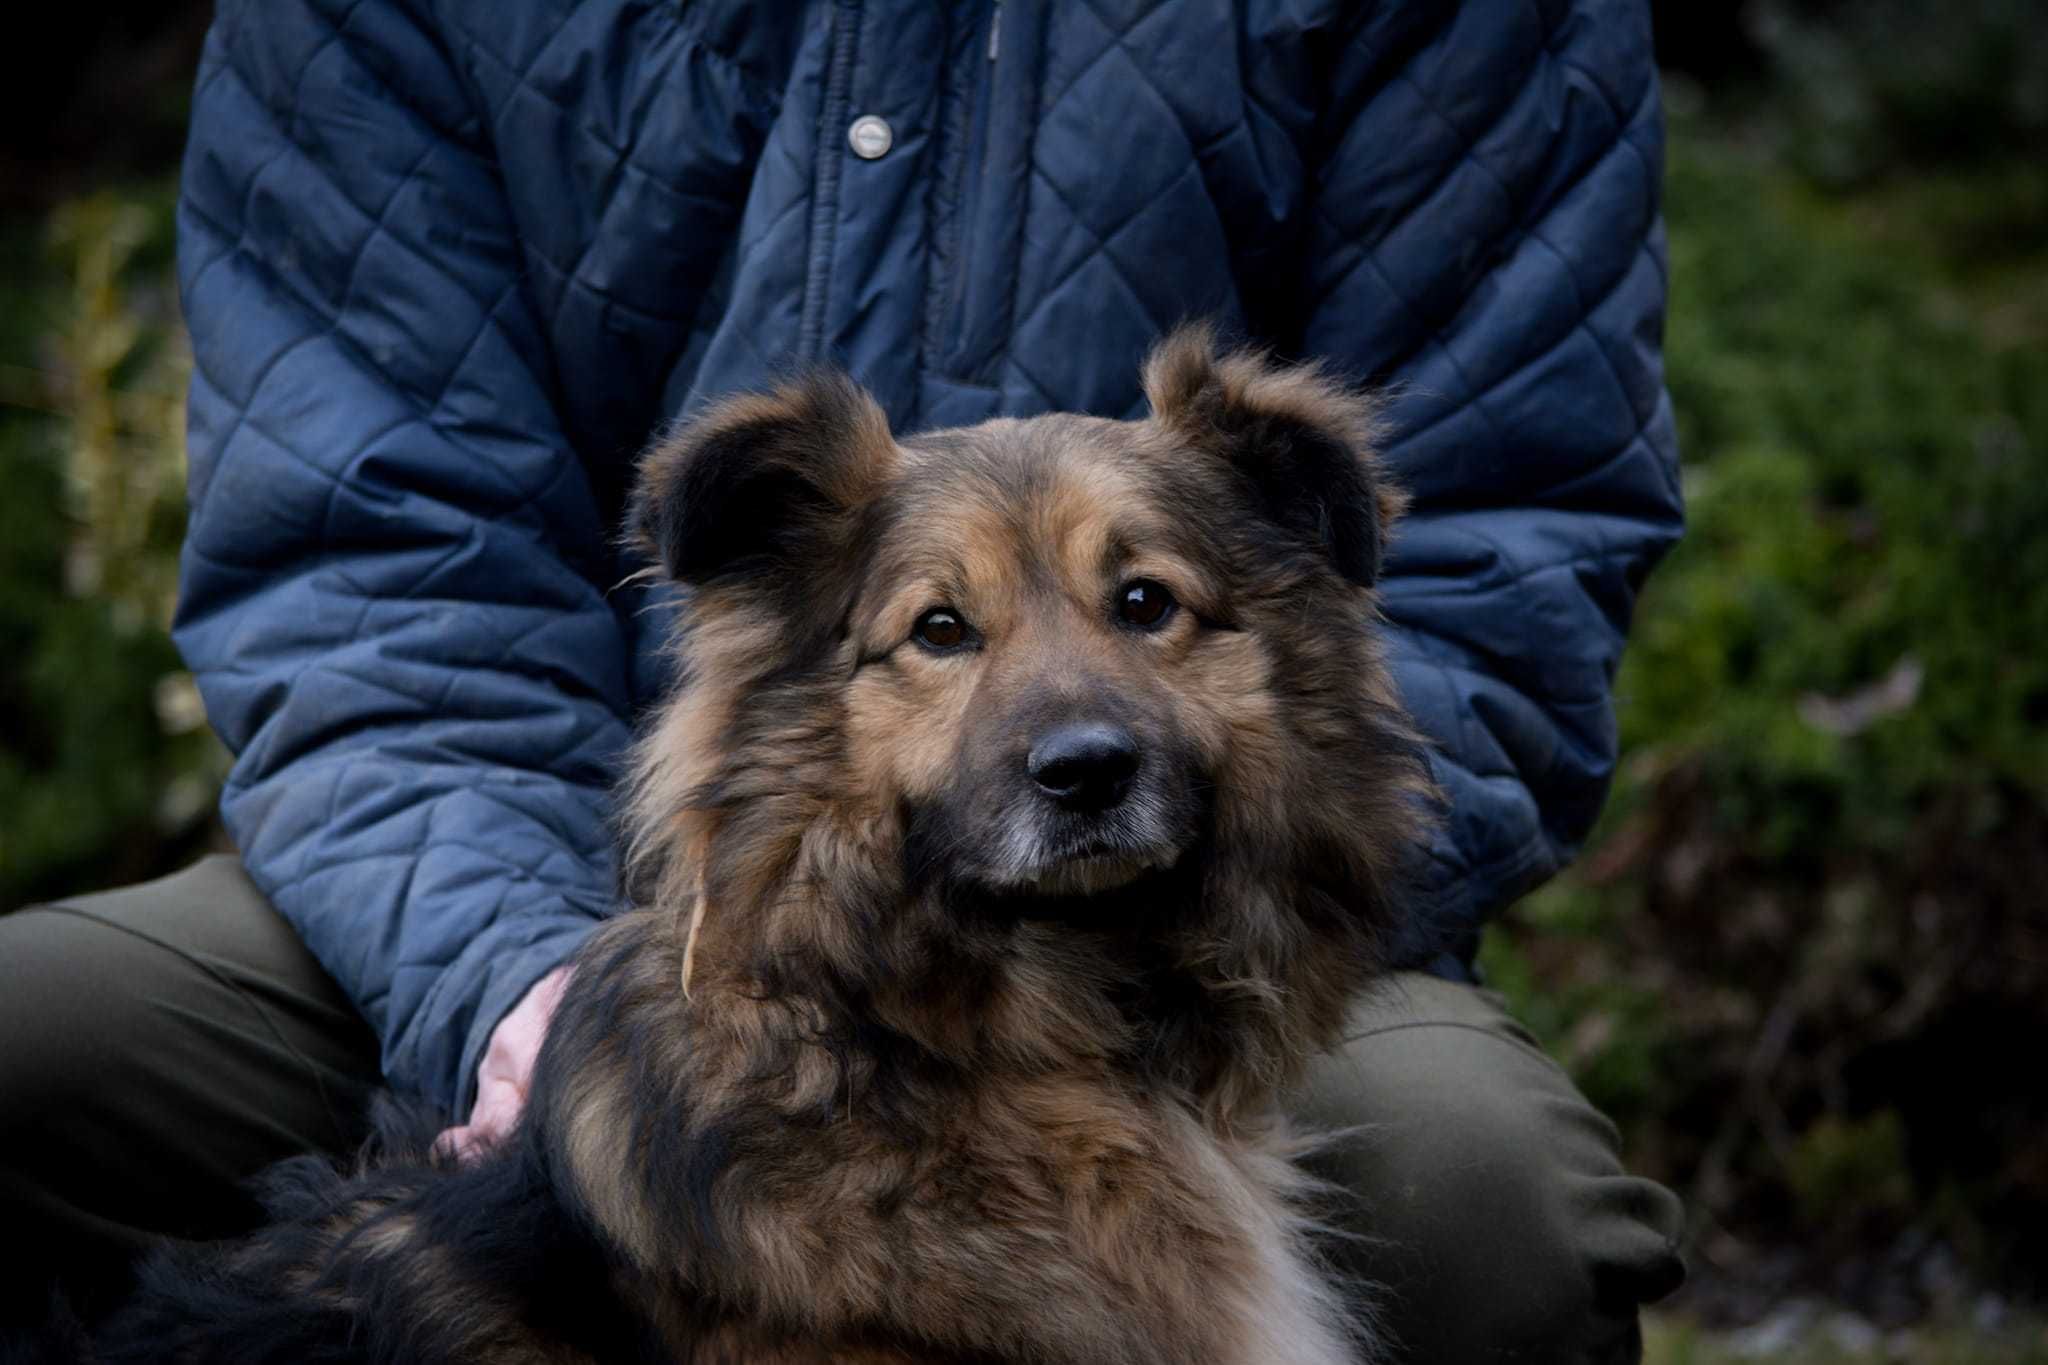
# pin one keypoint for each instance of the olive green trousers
(161, 1043)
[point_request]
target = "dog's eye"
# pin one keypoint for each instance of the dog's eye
(1144, 603)
(940, 628)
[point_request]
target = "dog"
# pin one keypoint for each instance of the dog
(1035, 803)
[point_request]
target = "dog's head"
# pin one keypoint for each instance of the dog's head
(1062, 661)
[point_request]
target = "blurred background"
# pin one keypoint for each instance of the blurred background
(1804, 960)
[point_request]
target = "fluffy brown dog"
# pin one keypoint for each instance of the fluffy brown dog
(1031, 815)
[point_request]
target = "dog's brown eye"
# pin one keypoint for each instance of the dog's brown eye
(940, 628)
(1144, 603)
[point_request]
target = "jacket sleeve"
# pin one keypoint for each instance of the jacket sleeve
(1486, 244)
(394, 577)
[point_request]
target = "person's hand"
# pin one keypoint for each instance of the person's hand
(506, 1070)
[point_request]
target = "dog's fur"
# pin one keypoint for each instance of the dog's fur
(909, 1058)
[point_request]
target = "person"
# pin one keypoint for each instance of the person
(447, 265)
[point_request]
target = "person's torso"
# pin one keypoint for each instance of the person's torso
(975, 208)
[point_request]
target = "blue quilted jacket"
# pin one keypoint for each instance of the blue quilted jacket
(448, 262)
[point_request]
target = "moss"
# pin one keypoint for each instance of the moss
(1847, 1169)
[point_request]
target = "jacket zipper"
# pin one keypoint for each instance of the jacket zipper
(828, 167)
(973, 164)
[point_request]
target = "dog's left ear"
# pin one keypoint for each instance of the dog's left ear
(1301, 442)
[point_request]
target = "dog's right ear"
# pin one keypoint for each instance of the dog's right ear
(763, 482)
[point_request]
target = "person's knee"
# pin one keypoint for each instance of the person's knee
(67, 1000)
(158, 1045)
(1491, 1212)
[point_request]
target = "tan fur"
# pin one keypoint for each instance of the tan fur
(947, 1136)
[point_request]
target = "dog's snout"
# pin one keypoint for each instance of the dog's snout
(1086, 766)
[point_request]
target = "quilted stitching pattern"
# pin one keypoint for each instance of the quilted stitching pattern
(448, 261)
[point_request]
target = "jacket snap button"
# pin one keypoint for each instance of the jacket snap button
(870, 137)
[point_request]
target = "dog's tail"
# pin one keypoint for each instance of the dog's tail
(197, 1301)
(404, 1255)
(309, 1285)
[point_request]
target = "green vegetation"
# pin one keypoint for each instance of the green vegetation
(1672, 1341)
(106, 769)
(1813, 902)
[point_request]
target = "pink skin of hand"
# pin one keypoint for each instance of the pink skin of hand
(506, 1070)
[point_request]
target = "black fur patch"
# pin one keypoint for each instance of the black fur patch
(1311, 483)
(495, 1251)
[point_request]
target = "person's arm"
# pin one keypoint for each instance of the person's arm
(394, 577)
(1486, 242)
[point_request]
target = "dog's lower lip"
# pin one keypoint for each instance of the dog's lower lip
(1100, 868)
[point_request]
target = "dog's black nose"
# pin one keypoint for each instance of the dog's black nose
(1086, 766)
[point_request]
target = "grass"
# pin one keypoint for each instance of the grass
(1670, 1340)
